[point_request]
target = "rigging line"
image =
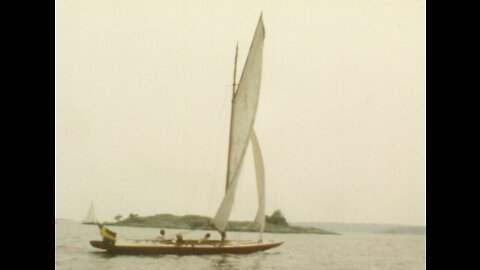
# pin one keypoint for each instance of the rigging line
(215, 171)
(209, 156)
(212, 181)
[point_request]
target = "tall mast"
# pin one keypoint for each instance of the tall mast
(231, 115)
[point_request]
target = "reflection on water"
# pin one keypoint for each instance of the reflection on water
(257, 261)
(233, 262)
(224, 262)
(102, 254)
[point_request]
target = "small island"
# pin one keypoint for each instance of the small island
(276, 223)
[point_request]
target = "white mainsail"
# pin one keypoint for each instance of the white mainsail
(243, 117)
(90, 218)
(260, 173)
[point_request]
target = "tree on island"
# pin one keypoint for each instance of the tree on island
(118, 217)
(276, 218)
(135, 218)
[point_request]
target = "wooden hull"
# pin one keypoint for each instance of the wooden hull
(189, 248)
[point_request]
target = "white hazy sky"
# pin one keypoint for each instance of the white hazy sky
(143, 94)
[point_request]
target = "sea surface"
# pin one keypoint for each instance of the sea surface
(300, 251)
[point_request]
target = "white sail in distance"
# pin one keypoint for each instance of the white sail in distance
(90, 218)
(243, 117)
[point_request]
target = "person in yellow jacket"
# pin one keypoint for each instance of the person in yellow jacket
(107, 235)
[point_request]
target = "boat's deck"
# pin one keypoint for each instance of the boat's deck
(185, 247)
(185, 243)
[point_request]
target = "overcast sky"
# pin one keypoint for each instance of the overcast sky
(143, 93)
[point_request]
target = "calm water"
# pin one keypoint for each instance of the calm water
(347, 251)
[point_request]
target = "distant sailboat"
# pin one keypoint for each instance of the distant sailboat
(243, 112)
(90, 218)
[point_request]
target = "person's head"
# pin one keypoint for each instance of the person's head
(207, 235)
(162, 232)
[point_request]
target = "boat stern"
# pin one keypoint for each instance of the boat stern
(100, 244)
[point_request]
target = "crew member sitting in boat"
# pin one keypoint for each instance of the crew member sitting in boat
(162, 235)
(179, 238)
(108, 236)
(206, 237)
(224, 236)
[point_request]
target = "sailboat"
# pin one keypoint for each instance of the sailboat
(243, 112)
(90, 218)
